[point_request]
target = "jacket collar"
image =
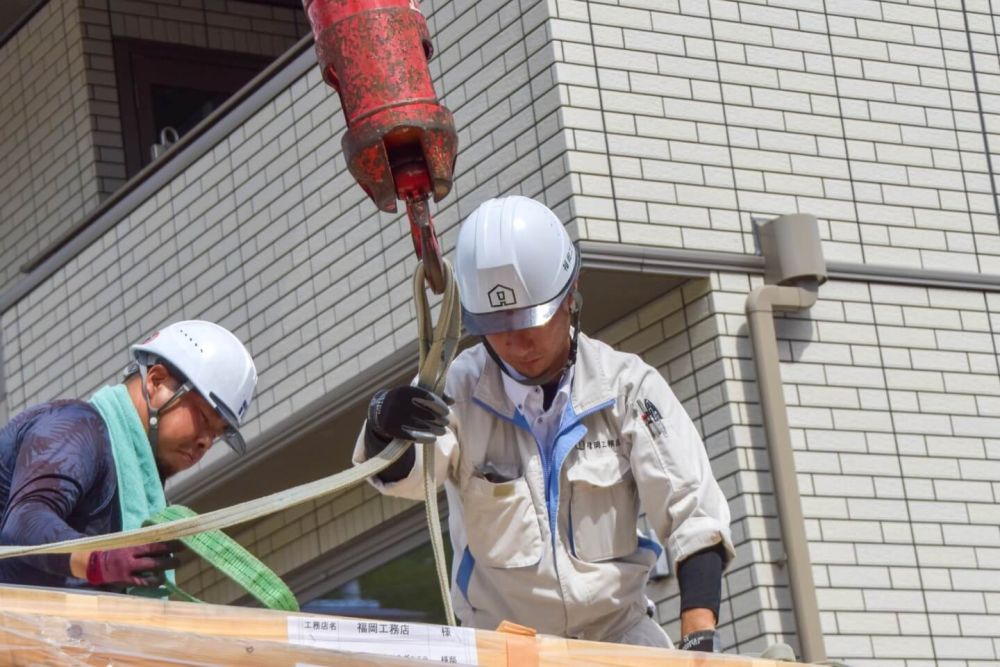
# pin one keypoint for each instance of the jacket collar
(591, 385)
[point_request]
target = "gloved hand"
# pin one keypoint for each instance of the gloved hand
(408, 413)
(702, 640)
(143, 565)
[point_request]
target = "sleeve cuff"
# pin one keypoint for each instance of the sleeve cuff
(700, 579)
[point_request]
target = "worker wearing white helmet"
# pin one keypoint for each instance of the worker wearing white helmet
(207, 359)
(546, 447)
(73, 468)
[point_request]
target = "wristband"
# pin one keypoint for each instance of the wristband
(706, 641)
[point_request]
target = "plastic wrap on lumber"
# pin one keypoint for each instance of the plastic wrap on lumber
(43, 626)
(37, 640)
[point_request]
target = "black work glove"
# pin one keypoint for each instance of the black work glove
(702, 640)
(144, 565)
(407, 413)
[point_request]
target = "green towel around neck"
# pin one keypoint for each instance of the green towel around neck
(140, 491)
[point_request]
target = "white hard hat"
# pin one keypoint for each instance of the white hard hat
(214, 361)
(515, 265)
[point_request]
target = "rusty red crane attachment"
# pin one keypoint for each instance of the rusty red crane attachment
(400, 141)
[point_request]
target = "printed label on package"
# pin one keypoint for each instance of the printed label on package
(416, 641)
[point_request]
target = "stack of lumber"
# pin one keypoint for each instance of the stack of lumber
(41, 626)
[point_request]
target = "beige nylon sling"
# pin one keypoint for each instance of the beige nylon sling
(438, 345)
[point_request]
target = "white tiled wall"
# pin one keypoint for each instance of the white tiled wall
(224, 25)
(664, 123)
(60, 127)
(894, 404)
(48, 170)
(687, 118)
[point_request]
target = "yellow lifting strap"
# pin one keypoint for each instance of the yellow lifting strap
(438, 345)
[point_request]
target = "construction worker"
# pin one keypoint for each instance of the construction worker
(70, 469)
(547, 440)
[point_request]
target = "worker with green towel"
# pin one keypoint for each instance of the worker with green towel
(70, 469)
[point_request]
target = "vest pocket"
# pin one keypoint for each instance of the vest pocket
(603, 509)
(501, 523)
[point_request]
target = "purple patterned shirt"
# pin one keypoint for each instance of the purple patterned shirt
(57, 482)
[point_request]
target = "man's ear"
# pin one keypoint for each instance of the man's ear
(571, 298)
(156, 375)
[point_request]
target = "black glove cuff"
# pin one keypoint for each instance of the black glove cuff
(706, 641)
(375, 442)
(374, 407)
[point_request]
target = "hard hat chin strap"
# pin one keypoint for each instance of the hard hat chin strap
(154, 413)
(551, 376)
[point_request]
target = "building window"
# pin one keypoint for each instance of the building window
(163, 86)
(402, 589)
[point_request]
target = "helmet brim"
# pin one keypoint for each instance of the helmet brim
(235, 440)
(232, 436)
(514, 319)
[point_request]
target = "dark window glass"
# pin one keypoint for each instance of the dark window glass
(182, 108)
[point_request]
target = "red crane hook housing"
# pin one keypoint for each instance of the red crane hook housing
(400, 141)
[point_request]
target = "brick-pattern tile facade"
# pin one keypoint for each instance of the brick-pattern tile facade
(893, 396)
(653, 122)
(894, 405)
(48, 171)
(234, 26)
(687, 119)
(62, 136)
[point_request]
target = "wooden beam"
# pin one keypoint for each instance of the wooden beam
(52, 626)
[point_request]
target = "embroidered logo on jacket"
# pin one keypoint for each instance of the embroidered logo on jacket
(613, 443)
(651, 417)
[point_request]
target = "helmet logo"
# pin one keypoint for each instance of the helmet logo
(243, 409)
(501, 296)
(567, 260)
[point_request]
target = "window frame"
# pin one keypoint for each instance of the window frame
(142, 64)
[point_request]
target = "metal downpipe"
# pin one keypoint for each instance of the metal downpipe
(760, 306)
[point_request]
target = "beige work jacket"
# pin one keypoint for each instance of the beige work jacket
(555, 546)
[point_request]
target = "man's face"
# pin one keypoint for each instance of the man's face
(539, 350)
(187, 428)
